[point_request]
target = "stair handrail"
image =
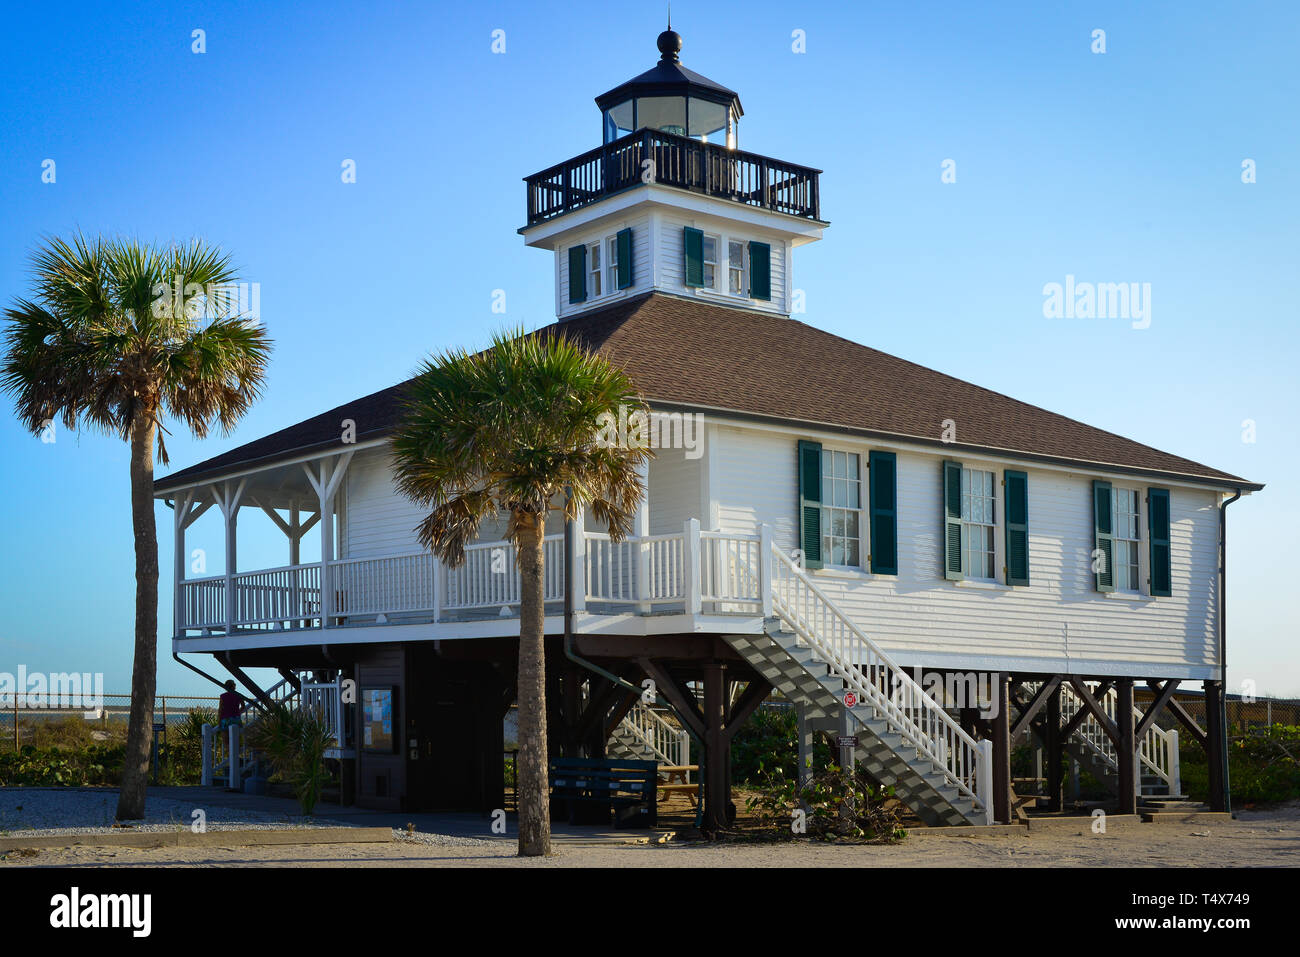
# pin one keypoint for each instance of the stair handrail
(1155, 750)
(932, 732)
(660, 736)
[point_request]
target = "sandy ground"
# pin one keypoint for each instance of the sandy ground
(1257, 839)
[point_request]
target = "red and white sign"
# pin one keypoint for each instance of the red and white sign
(850, 700)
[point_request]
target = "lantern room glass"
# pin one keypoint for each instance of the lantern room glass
(700, 119)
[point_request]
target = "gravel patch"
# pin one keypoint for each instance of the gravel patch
(39, 812)
(58, 812)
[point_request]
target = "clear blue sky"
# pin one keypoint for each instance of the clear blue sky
(1124, 166)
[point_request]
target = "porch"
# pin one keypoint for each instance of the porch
(692, 572)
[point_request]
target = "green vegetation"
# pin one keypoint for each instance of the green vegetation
(831, 805)
(767, 744)
(1262, 766)
(295, 740)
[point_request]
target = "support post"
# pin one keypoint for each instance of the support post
(1215, 742)
(691, 583)
(716, 791)
(205, 774)
(1002, 749)
(1125, 752)
(984, 778)
(1052, 733)
(233, 782)
(805, 733)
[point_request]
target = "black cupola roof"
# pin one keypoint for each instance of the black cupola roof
(669, 78)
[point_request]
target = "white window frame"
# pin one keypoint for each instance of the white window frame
(1139, 500)
(967, 524)
(718, 241)
(827, 506)
(611, 265)
(744, 268)
(595, 270)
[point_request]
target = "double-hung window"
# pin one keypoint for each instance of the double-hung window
(611, 263)
(841, 508)
(979, 525)
(737, 275)
(710, 259)
(1128, 538)
(594, 272)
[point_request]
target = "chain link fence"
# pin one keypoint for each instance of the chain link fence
(24, 719)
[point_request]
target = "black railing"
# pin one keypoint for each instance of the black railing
(651, 156)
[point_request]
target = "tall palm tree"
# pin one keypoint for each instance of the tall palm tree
(119, 335)
(514, 429)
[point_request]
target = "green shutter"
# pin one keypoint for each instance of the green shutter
(882, 493)
(624, 240)
(810, 503)
(1158, 541)
(1103, 536)
(760, 270)
(1017, 526)
(693, 245)
(952, 521)
(577, 274)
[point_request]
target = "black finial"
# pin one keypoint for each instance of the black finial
(670, 44)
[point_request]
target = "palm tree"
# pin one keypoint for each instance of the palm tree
(514, 429)
(117, 336)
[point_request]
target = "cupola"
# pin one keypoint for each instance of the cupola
(671, 99)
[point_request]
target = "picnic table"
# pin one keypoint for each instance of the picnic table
(676, 777)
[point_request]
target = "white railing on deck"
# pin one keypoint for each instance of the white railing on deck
(729, 568)
(203, 603)
(875, 680)
(635, 570)
(489, 577)
(277, 594)
(383, 586)
(1157, 751)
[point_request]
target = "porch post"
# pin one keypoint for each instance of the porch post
(326, 486)
(577, 570)
(228, 500)
(642, 532)
(691, 572)
(180, 511)
(765, 569)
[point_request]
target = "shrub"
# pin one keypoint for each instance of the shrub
(835, 804)
(294, 740)
(768, 744)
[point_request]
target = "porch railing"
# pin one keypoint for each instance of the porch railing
(690, 571)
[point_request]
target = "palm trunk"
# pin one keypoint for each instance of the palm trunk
(533, 784)
(144, 675)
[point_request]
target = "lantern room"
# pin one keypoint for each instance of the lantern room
(671, 99)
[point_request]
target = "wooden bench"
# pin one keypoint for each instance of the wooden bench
(594, 790)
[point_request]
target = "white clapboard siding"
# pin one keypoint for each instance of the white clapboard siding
(1058, 615)
(671, 263)
(641, 266)
(380, 520)
(674, 490)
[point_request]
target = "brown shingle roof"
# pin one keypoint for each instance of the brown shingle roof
(683, 352)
